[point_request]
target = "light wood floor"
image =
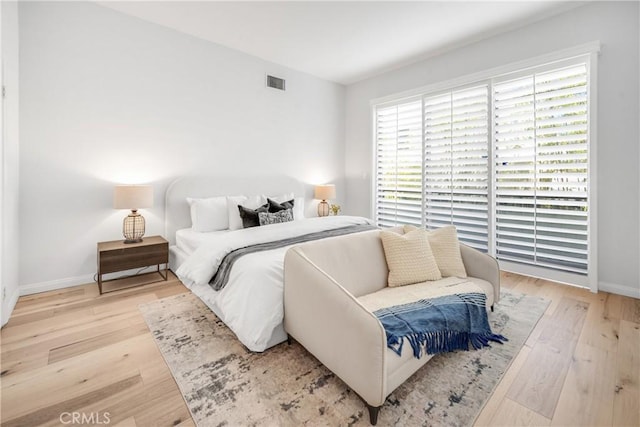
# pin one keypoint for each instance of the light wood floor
(75, 351)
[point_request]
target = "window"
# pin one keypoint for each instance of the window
(456, 171)
(541, 152)
(504, 159)
(399, 164)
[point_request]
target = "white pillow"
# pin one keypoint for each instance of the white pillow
(298, 208)
(281, 198)
(298, 203)
(209, 214)
(233, 215)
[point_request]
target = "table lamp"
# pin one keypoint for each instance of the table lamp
(133, 197)
(324, 193)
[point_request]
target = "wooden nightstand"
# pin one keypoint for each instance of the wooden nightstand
(117, 256)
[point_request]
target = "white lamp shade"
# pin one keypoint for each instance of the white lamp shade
(325, 192)
(132, 197)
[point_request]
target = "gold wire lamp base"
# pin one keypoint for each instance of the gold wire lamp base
(323, 208)
(133, 227)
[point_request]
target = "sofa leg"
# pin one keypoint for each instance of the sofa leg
(373, 414)
(288, 339)
(492, 308)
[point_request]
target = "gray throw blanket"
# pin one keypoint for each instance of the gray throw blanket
(440, 324)
(221, 277)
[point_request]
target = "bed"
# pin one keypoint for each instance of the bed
(251, 301)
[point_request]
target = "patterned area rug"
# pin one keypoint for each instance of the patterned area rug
(224, 384)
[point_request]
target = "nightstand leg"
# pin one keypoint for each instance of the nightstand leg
(165, 276)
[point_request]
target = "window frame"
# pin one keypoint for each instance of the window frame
(587, 54)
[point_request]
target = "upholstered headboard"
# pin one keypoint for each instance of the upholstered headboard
(178, 216)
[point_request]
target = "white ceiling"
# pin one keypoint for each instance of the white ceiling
(342, 41)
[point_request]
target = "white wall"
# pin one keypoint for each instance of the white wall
(107, 98)
(616, 25)
(10, 152)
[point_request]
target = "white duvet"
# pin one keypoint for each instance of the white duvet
(251, 303)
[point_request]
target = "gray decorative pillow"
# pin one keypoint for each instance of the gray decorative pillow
(267, 218)
(250, 216)
(277, 207)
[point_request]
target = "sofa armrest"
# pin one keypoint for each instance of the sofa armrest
(482, 266)
(333, 326)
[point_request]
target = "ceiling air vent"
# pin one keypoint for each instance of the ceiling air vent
(275, 82)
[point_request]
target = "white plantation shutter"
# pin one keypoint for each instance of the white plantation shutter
(514, 151)
(456, 163)
(541, 170)
(530, 204)
(399, 164)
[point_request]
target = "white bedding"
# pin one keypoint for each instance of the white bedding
(189, 240)
(251, 303)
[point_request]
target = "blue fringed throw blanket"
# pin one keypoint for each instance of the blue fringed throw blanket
(438, 325)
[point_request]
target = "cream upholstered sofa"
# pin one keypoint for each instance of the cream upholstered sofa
(325, 282)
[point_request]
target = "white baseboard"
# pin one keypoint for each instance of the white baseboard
(52, 285)
(11, 303)
(616, 288)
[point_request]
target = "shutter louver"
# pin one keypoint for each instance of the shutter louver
(456, 163)
(399, 164)
(540, 142)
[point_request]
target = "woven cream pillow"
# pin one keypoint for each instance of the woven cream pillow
(446, 250)
(409, 258)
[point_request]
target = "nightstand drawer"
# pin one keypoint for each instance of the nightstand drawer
(125, 259)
